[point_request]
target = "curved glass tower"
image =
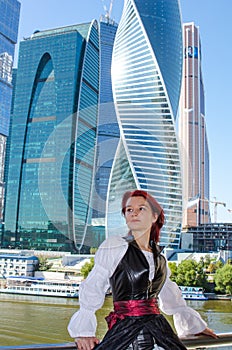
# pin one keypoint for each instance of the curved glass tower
(146, 77)
(52, 149)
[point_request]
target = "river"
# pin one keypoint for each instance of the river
(36, 320)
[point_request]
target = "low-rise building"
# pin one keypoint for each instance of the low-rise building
(18, 265)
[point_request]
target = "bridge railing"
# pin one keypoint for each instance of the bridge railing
(194, 342)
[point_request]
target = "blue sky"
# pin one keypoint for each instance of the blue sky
(213, 18)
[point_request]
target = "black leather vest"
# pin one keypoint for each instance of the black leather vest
(130, 280)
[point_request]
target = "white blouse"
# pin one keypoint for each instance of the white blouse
(92, 294)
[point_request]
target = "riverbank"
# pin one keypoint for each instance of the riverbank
(213, 296)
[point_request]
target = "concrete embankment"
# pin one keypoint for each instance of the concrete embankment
(213, 296)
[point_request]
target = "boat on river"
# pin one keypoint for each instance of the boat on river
(193, 293)
(41, 287)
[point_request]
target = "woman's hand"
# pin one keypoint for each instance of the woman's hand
(208, 331)
(86, 343)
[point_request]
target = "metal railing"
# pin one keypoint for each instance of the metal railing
(195, 342)
(206, 342)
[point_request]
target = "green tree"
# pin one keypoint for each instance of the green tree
(223, 279)
(214, 266)
(93, 250)
(207, 260)
(44, 265)
(173, 267)
(190, 273)
(87, 267)
(202, 262)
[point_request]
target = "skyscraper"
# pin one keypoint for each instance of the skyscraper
(108, 133)
(192, 133)
(52, 150)
(146, 76)
(77, 144)
(9, 20)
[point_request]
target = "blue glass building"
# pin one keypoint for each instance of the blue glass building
(108, 133)
(9, 20)
(146, 77)
(52, 148)
(79, 141)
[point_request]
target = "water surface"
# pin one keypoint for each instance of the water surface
(36, 320)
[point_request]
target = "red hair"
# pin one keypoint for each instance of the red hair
(155, 207)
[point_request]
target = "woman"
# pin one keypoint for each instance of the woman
(137, 273)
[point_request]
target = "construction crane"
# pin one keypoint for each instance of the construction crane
(108, 12)
(216, 203)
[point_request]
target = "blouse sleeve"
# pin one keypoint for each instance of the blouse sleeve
(92, 291)
(186, 320)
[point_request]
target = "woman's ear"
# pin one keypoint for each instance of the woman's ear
(155, 217)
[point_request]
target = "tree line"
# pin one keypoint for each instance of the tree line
(213, 276)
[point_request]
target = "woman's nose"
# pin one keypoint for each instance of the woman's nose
(135, 212)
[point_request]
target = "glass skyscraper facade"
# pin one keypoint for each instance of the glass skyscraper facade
(192, 133)
(52, 150)
(146, 77)
(108, 133)
(94, 115)
(9, 20)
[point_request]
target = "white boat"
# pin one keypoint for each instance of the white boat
(41, 286)
(193, 293)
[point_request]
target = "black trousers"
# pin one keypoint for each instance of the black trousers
(141, 333)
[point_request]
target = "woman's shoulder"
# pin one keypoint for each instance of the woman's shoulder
(110, 252)
(114, 241)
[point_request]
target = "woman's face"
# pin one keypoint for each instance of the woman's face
(138, 214)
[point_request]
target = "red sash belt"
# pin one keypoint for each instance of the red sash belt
(132, 308)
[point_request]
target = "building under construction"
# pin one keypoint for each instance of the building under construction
(209, 238)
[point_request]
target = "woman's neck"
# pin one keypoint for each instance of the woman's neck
(143, 240)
